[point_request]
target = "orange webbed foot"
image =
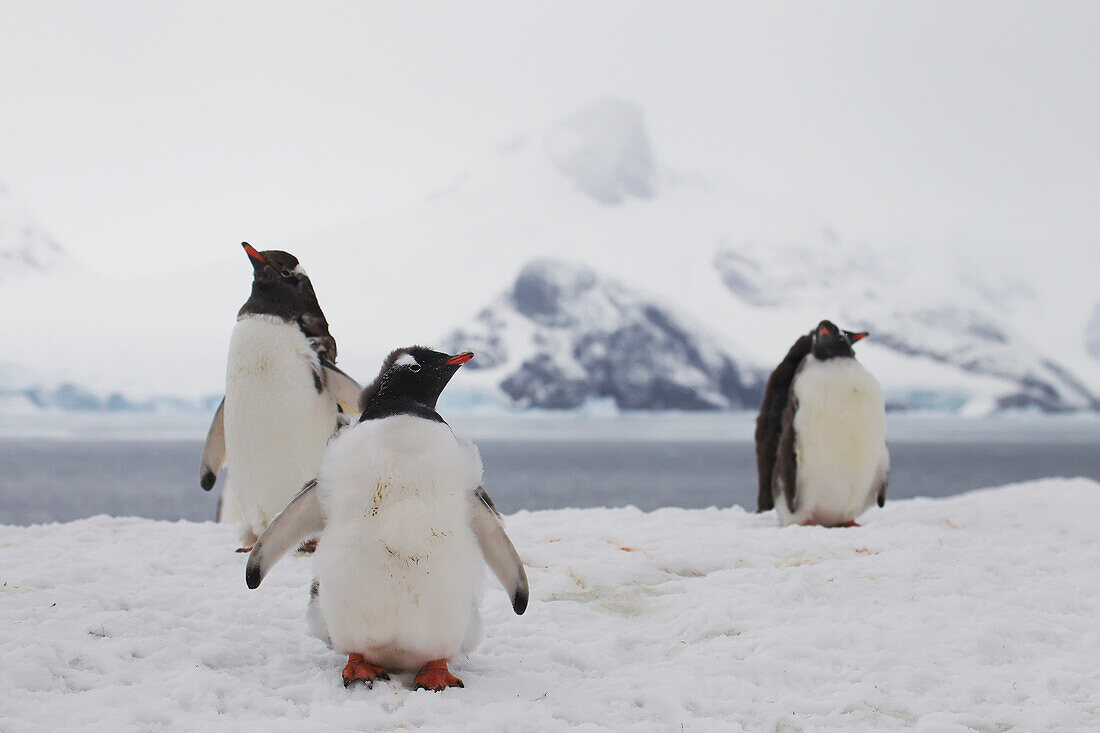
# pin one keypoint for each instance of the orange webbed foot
(436, 677)
(852, 523)
(359, 670)
(244, 549)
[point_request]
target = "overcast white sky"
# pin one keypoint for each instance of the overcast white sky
(128, 127)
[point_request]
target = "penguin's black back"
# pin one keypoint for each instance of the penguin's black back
(769, 423)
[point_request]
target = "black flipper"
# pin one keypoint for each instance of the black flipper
(785, 476)
(884, 482)
(769, 423)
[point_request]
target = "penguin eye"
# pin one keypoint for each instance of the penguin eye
(286, 274)
(414, 367)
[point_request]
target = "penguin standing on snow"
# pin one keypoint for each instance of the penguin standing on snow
(407, 527)
(283, 395)
(821, 451)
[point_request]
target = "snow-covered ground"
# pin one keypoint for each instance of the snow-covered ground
(972, 613)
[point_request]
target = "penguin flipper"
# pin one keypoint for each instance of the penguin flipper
(785, 477)
(299, 519)
(499, 551)
(213, 450)
(882, 481)
(345, 389)
(766, 444)
(769, 423)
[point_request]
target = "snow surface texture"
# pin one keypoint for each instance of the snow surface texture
(971, 613)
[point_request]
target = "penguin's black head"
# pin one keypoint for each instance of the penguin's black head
(410, 381)
(829, 342)
(275, 267)
(279, 285)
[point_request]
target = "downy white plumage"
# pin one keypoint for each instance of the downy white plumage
(830, 460)
(406, 530)
(841, 443)
(281, 396)
(408, 485)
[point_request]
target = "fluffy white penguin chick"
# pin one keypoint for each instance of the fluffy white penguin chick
(821, 434)
(407, 527)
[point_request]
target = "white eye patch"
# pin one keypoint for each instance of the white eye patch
(407, 360)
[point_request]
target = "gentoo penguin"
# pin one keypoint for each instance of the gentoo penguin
(406, 527)
(283, 396)
(821, 451)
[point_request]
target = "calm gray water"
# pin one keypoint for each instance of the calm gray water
(53, 478)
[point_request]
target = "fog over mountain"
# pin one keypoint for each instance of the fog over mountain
(602, 276)
(1092, 333)
(605, 151)
(24, 245)
(710, 180)
(923, 317)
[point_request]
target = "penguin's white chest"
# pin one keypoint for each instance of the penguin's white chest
(276, 423)
(398, 563)
(840, 448)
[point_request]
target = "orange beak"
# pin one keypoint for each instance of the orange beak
(460, 359)
(251, 252)
(857, 336)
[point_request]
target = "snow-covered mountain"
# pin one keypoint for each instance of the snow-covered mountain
(1092, 333)
(562, 335)
(24, 244)
(959, 320)
(23, 390)
(585, 270)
